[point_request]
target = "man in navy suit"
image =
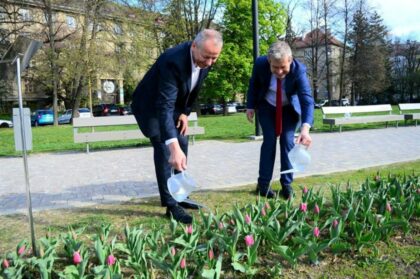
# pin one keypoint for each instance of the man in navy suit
(162, 102)
(278, 74)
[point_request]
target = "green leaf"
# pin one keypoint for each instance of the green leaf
(238, 267)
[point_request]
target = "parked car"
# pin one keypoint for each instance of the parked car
(321, 103)
(211, 109)
(231, 108)
(66, 117)
(105, 110)
(42, 117)
(240, 107)
(125, 110)
(5, 123)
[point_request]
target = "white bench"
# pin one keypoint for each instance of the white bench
(107, 121)
(410, 115)
(344, 115)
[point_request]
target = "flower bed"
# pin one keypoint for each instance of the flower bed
(236, 242)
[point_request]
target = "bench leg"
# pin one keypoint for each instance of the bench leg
(87, 148)
(330, 127)
(340, 128)
(386, 124)
(397, 124)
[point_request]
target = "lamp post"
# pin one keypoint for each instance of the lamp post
(256, 51)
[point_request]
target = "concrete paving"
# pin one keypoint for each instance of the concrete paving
(64, 180)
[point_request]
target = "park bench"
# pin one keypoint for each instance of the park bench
(410, 114)
(92, 135)
(343, 115)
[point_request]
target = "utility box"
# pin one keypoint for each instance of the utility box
(18, 131)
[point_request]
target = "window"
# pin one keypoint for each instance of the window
(24, 14)
(71, 22)
(117, 29)
(3, 13)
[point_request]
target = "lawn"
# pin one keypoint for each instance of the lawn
(397, 257)
(231, 128)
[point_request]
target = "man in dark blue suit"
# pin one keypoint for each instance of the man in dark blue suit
(162, 102)
(279, 92)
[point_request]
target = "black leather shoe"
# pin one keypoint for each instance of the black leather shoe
(188, 205)
(178, 214)
(269, 194)
(286, 192)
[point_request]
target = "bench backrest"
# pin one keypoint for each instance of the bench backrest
(356, 109)
(409, 106)
(113, 120)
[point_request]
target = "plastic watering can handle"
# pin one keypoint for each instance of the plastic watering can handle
(173, 172)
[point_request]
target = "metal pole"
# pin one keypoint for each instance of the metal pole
(25, 158)
(256, 51)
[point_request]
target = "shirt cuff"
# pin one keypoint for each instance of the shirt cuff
(306, 124)
(169, 141)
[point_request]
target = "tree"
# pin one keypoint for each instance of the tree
(231, 73)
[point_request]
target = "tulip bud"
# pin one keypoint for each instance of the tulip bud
(6, 264)
(377, 178)
(303, 206)
(263, 213)
(388, 207)
(247, 219)
(267, 206)
(189, 229)
(173, 251)
(249, 240)
(111, 260)
(232, 222)
(316, 209)
(211, 254)
(305, 190)
(221, 226)
(21, 250)
(335, 223)
(316, 232)
(77, 258)
(183, 263)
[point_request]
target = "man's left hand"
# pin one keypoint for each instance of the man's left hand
(304, 137)
(182, 124)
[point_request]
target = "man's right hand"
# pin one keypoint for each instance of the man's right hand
(250, 115)
(177, 159)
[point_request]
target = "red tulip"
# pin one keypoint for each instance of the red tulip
(21, 250)
(267, 205)
(247, 219)
(221, 226)
(305, 190)
(6, 264)
(232, 222)
(316, 209)
(183, 263)
(77, 258)
(111, 260)
(316, 232)
(263, 213)
(335, 224)
(388, 207)
(211, 254)
(303, 206)
(173, 251)
(249, 240)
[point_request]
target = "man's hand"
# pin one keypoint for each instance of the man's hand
(304, 137)
(250, 115)
(182, 124)
(177, 159)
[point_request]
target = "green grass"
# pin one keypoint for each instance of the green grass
(398, 258)
(230, 128)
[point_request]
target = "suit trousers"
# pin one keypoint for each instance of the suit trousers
(161, 155)
(267, 119)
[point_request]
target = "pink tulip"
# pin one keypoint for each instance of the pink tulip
(249, 240)
(173, 251)
(221, 226)
(111, 260)
(232, 222)
(316, 209)
(303, 206)
(183, 263)
(6, 264)
(267, 206)
(377, 178)
(189, 229)
(418, 191)
(263, 213)
(77, 258)
(316, 232)
(247, 219)
(305, 190)
(211, 254)
(335, 224)
(21, 250)
(388, 207)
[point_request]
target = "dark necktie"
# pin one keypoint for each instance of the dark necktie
(279, 108)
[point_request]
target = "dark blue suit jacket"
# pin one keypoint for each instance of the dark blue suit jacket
(297, 88)
(164, 93)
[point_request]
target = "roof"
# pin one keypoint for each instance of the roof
(316, 36)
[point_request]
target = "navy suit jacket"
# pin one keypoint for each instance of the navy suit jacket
(298, 90)
(164, 93)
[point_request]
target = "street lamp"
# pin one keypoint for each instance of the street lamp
(256, 52)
